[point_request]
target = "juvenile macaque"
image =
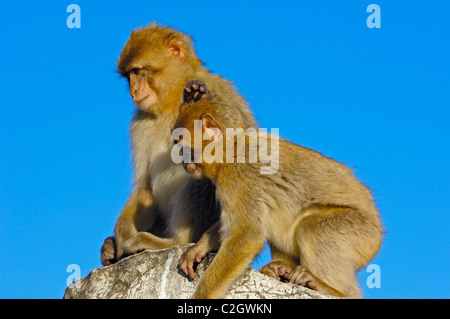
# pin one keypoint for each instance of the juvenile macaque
(320, 221)
(167, 206)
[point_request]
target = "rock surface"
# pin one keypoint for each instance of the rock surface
(154, 274)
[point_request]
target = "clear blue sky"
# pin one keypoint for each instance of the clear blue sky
(376, 99)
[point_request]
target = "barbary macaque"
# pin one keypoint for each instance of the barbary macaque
(320, 221)
(167, 206)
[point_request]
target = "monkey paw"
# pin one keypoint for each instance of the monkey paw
(108, 251)
(303, 277)
(195, 91)
(192, 255)
(276, 269)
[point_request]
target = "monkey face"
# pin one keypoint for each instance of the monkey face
(154, 63)
(190, 158)
(199, 155)
(191, 163)
(142, 89)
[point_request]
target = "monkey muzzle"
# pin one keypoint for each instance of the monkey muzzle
(190, 167)
(194, 169)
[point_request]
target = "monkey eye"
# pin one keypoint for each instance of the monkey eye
(135, 71)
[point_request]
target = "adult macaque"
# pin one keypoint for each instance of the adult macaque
(167, 207)
(320, 221)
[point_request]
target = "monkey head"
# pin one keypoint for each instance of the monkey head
(199, 137)
(155, 61)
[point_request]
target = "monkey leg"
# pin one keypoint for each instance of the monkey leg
(144, 240)
(334, 242)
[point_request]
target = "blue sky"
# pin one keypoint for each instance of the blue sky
(375, 99)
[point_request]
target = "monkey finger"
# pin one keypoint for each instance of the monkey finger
(285, 272)
(107, 255)
(183, 267)
(302, 277)
(108, 251)
(295, 280)
(268, 271)
(286, 276)
(312, 284)
(273, 275)
(191, 270)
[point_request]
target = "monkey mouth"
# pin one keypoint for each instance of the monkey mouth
(194, 169)
(141, 99)
(146, 103)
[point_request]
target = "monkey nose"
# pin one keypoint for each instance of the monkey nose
(190, 167)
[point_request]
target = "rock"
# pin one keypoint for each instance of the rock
(154, 274)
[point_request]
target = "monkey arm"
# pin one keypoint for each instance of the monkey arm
(234, 256)
(209, 241)
(211, 238)
(135, 216)
(125, 226)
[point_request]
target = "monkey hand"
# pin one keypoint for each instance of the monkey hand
(108, 251)
(193, 254)
(195, 91)
(277, 269)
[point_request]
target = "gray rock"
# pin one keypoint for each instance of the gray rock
(154, 274)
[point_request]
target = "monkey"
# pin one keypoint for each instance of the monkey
(320, 221)
(167, 206)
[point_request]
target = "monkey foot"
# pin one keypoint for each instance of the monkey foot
(108, 251)
(298, 275)
(277, 269)
(195, 91)
(302, 276)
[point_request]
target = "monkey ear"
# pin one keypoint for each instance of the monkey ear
(211, 127)
(177, 47)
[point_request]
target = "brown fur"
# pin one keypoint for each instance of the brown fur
(167, 206)
(320, 221)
